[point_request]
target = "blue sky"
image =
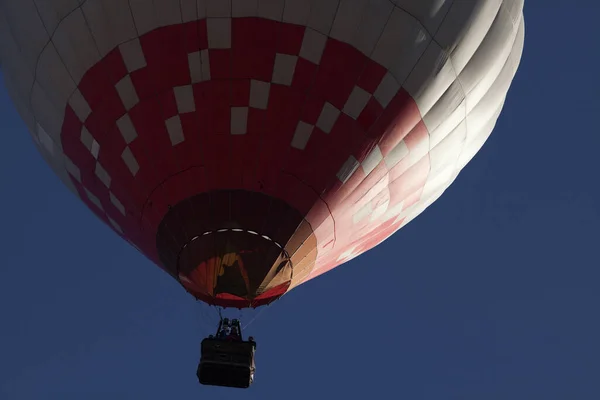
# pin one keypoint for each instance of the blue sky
(492, 293)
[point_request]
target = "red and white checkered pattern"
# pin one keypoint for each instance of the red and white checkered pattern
(357, 113)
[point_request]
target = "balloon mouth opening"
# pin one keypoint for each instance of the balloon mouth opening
(236, 248)
(228, 300)
(233, 266)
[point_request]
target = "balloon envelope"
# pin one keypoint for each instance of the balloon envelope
(247, 147)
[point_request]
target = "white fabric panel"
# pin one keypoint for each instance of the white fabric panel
(347, 19)
(189, 10)
(379, 210)
(36, 140)
(130, 161)
(512, 55)
(378, 190)
(387, 89)
(167, 12)
(302, 135)
(296, 12)
(348, 169)
(259, 94)
(430, 78)
(357, 101)
(95, 200)
(218, 8)
(184, 96)
(395, 211)
(271, 9)
(362, 213)
(446, 153)
(515, 10)
(115, 225)
(491, 102)
(372, 160)
(401, 44)
(80, 105)
(239, 120)
(518, 46)
(437, 182)
(8, 46)
(72, 168)
(418, 151)
(45, 140)
(283, 71)
(451, 120)
(464, 29)
(143, 15)
(53, 11)
(127, 128)
(322, 14)
(27, 29)
(490, 52)
(484, 122)
(21, 77)
(110, 22)
(476, 140)
(371, 26)
(46, 113)
(89, 142)
(117, 203)
(244, 8)
(103, 175)
(219, 33)
(450, 104)
(12, 62)
(175, 130)
(45, 145)
(75, 44)
(430, 13)
(313, 45)
(348, 255)
(54, 77)
(127, 92)
(22, 105)
(328, 117)
(133, 55)
(397, 154)
(201, 7)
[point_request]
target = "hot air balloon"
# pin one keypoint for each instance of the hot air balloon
(248, 146)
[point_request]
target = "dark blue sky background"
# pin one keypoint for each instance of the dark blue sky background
(492, 293)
